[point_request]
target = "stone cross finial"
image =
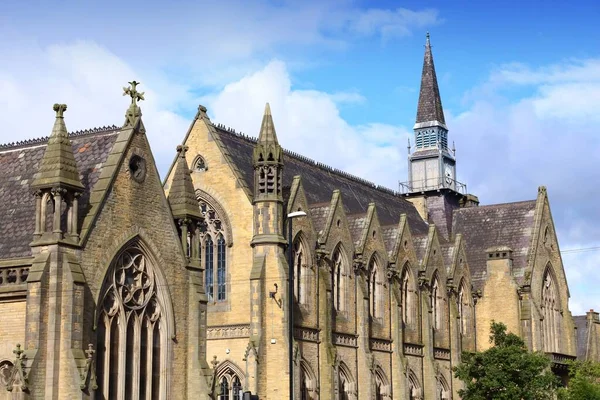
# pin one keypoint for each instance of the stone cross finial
(133, 93)
(182, 149)
(427, 39)
(60, 109)
(90, 351)
(18, 352)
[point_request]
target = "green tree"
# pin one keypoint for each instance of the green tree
(506, 371)
(584, 382)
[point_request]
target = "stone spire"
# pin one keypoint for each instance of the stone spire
(267, 128)
(181, 196)
(58, 167)
(429, 109)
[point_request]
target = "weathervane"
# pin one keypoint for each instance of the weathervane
(133, 93)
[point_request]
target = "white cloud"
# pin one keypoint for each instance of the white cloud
(508, 147)
(309, 122)
(389, 23)
(88, 78)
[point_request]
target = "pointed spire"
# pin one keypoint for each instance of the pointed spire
(181, 196)
(430, 103)
(58, 166)
(267, 128)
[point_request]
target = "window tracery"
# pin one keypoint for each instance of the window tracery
(340, 280)
(213, 244)
(552, 317)
(131, 325)
(199, 164)
(346, 389)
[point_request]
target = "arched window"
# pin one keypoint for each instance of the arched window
(308, 382)
(375, 290)
(346, 387)
(213, 244)
(301, 271)
(414, 388)
(408, 297)
(465, 309)
(436, 304)
(230, 383)
(381, 389)
(132, 325)
(340, 280)
(442, 391)
(552, 317)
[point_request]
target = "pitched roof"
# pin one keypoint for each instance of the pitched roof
(509, 224)
(429, 108)
(18, 164)
(319, 182)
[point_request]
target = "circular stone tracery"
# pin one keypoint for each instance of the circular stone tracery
(133, 280)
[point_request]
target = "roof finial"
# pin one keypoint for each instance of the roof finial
(408, 146)
(133, 93)
(427, 42)
(60, 109)
(182, 149)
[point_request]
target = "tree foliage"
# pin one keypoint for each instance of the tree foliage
(506, 371)
(584, 382)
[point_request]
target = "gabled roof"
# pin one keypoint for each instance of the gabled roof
(319, 182)
(509, 224)
(18, 164)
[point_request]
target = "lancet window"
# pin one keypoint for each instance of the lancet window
(307, 382)
(441, 392)
(408, 297)
(380, 384)
(414, 388)
(301, 271)
(463, 301)
(132, 350)
(213, 253)
(340, 280)
(346, 386)
(376, 302)
(552, 316)
(436, 304)
(230, 388)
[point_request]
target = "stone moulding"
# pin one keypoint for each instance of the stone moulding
(380, 345)
(441, 354)
(413, 349)
(228, 332)
(306, 334)
(344, 339)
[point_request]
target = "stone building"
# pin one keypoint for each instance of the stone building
(116, 285)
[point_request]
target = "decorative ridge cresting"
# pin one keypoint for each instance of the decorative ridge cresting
(300, 157)
(44, 139)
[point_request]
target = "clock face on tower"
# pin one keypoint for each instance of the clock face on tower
(448, 174)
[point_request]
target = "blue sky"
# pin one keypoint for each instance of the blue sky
(520, 84)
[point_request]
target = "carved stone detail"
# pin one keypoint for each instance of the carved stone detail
(413, 349)
(228, 332)
(344, 339)
(441, 354)
(306, 334)
(380, 345)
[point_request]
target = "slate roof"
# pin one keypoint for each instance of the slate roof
(430, 103)
(320, 181)
(319, 214)
(509, 224)
(18, 164)
(389, 234)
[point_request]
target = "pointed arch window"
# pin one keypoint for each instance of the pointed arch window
(132, 349)
(436, 304)
(381, 387)
(213, 245)
(408, 297)
(301, 271)
(375, 290)
(552, 316)
(230, 385)
(414, 387)
(346, 384)
(465, 309)
(340, 280)
(307, 382)
(442, 391)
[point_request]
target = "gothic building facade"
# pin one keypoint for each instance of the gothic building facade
(115, 285)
